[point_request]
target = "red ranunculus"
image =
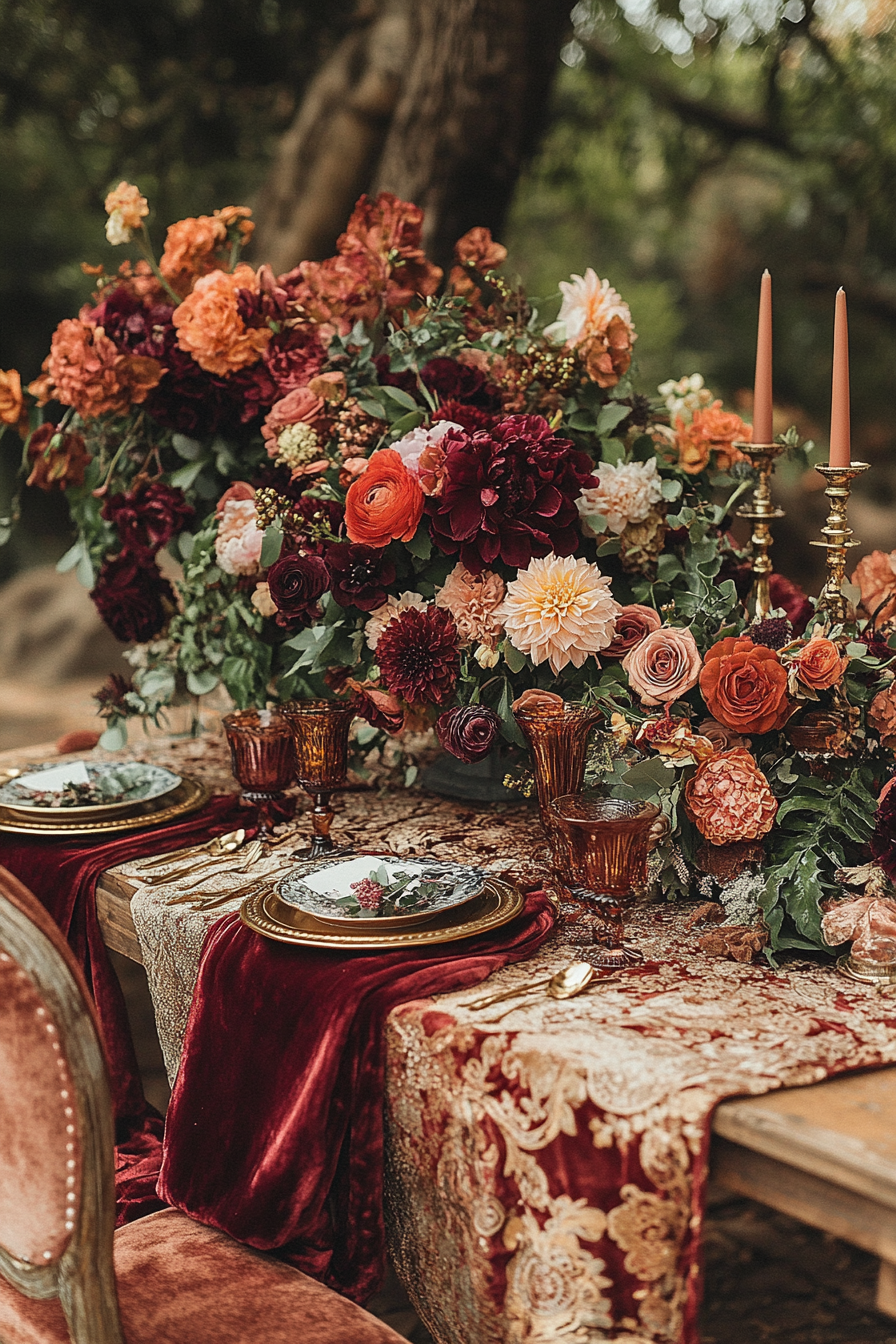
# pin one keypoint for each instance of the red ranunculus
(360, 575)
(468, 731)
(296, 582)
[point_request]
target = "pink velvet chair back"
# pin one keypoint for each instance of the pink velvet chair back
(56, 1141)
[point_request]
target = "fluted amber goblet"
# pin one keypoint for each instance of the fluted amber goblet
(320, 732)
(558, 744)
(263, 757)
(600, 848)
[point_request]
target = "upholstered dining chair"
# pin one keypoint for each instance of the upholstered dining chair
(65, 1274)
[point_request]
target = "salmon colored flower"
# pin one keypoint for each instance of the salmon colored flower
(473, 600)
(210, 328)
(675, 740)
(882, 715)
(238, 543)
(820, 664)
(385, 503)
(664, 665)
(729, 799)
(126, 209)
(89, 373)
(559, 611)
(633, 624)
(745, 686)
(875, 577)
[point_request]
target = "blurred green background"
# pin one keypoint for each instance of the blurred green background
(688, 145)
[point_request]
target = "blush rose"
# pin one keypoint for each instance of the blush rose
(664, 666)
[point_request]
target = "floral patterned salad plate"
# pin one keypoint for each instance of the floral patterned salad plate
(86, 790)
(375, 893)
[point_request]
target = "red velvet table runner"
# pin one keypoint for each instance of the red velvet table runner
(63, 875)
(275, 1128)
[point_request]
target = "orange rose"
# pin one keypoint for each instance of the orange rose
(729, 799)
(210, 328)
(710, 428)
(745, 686)
(385, 503)
(819, 664)
(875, 576)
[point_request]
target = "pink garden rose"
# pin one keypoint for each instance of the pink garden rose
(663, 666)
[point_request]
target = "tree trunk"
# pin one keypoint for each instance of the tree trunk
(439, 101)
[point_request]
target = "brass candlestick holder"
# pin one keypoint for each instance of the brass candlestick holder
(761, 512)
(838, 538)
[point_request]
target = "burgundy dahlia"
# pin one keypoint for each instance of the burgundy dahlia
(133, 599)
(418, 657)
(360, 575)
(468, 732)
(295, 583)
(509, 494)
(147, 518)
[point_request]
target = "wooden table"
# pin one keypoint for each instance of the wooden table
(825, 1154)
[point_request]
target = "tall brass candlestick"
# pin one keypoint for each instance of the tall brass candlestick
(761, 512)
(838, 537)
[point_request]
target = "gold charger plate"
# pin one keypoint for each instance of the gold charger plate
(189, 795)
(272, 917)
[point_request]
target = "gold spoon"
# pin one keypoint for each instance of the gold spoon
(192, 869)
(252, 852)
(567, 975)
(566, 984)
(220, 844)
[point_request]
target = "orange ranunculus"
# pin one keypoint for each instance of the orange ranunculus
(385, 503)
(12, 403)
(745, 686)
(710, 428)
(89, 373)
(729, 799)
(209, 325)
(820, 664)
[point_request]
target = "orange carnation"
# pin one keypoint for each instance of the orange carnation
(192, 245)
(729, 799)
(710, 428)
(89, 373)
(745, 686)
(209, 325)
(385, 503)
(820, 664)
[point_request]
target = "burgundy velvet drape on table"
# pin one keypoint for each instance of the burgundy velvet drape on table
(275, 1128)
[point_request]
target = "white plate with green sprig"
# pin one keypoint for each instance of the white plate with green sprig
(88, 790)
(380, 893)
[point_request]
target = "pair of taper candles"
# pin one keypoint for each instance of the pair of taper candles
(840, 454)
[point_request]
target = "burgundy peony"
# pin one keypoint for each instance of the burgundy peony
(360, 575)
(418, 657)
(509, 494)
(452, 381)
(133, 599)
(296, 582)
(468, 732)
(147, 518)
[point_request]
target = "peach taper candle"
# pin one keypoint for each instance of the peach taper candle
(762, 387)
(841, 452)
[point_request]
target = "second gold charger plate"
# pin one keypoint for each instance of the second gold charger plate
(273, 918)
(189, 795)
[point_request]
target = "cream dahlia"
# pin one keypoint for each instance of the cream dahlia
(623, 495)
(589, 305)
(381, 616)
(473, 600)
(559, 610)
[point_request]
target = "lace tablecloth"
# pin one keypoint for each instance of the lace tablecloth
(546, 1171)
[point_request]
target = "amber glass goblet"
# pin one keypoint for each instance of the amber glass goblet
(320, 731)
(263, 756)
(600, 848)
(558, 744)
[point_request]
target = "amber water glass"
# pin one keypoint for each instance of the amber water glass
(320, 732)
(600, 850)
(263, 757)
(558, 745)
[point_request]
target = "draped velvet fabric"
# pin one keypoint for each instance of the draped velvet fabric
(63, 876)
(275, 1129)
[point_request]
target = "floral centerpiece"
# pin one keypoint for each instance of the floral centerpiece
(404, 488)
